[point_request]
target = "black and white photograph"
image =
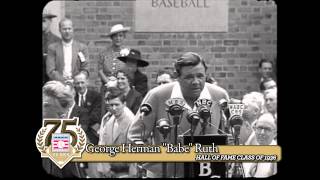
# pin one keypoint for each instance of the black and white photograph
(148, 72)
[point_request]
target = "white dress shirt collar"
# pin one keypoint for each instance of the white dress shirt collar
(67, 44)
(177, 93)
(84, 96)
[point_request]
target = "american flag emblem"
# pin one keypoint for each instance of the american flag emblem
(60, 142)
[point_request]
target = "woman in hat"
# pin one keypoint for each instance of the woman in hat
(132, 60)
(108, 63)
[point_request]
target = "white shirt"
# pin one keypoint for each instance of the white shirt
(205, 94)
(84, 97)
(263, 169)
(108, 116)
(70, 110)
(67, 56)
(176, 93)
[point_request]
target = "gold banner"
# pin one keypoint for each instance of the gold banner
(225, 154)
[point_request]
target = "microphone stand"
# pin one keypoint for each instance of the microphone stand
(139, 165)
(192, 141)
(164, 164)
(238, 171)
(164, 130)
(193, 123)
(204, 125)
(176, 120)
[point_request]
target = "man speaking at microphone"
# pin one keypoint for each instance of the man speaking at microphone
(190, 87)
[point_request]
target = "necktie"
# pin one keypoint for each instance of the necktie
(81, 100)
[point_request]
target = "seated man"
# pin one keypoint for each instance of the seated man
(270, 96)
(269, 84)
(211, 80)
(58, 102)
(113, 131)
(265, 132)
(250, 114)
(90, 100)
(258, 97)
(165, 76)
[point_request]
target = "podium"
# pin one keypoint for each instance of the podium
(218, 169)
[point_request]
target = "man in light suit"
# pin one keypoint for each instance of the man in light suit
(113, 131)
(190, 86)
(67, 57)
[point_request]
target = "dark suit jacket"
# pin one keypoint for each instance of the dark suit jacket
(55, 60)
(140, 82)
(93, 106)
(133, 100)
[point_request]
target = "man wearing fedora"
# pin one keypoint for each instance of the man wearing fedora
(68, 56)
(132, 60)
(47, 38)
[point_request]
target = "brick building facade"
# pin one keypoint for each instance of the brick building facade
(232, 56)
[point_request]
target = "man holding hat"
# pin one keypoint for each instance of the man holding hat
(132, 60)
(47, 38)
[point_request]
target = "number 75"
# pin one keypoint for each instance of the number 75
(63, 123)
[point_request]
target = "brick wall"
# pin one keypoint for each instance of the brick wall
(232, 56)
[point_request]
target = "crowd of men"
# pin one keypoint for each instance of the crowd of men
(113, 116)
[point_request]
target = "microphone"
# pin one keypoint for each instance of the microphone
(235, 101)
(193, 118)
(203, 108)
(175, 106)
(236, 122)
(164, 127)
(223, 103)
(145, 109)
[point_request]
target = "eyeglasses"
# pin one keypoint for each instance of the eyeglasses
(266, 129)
